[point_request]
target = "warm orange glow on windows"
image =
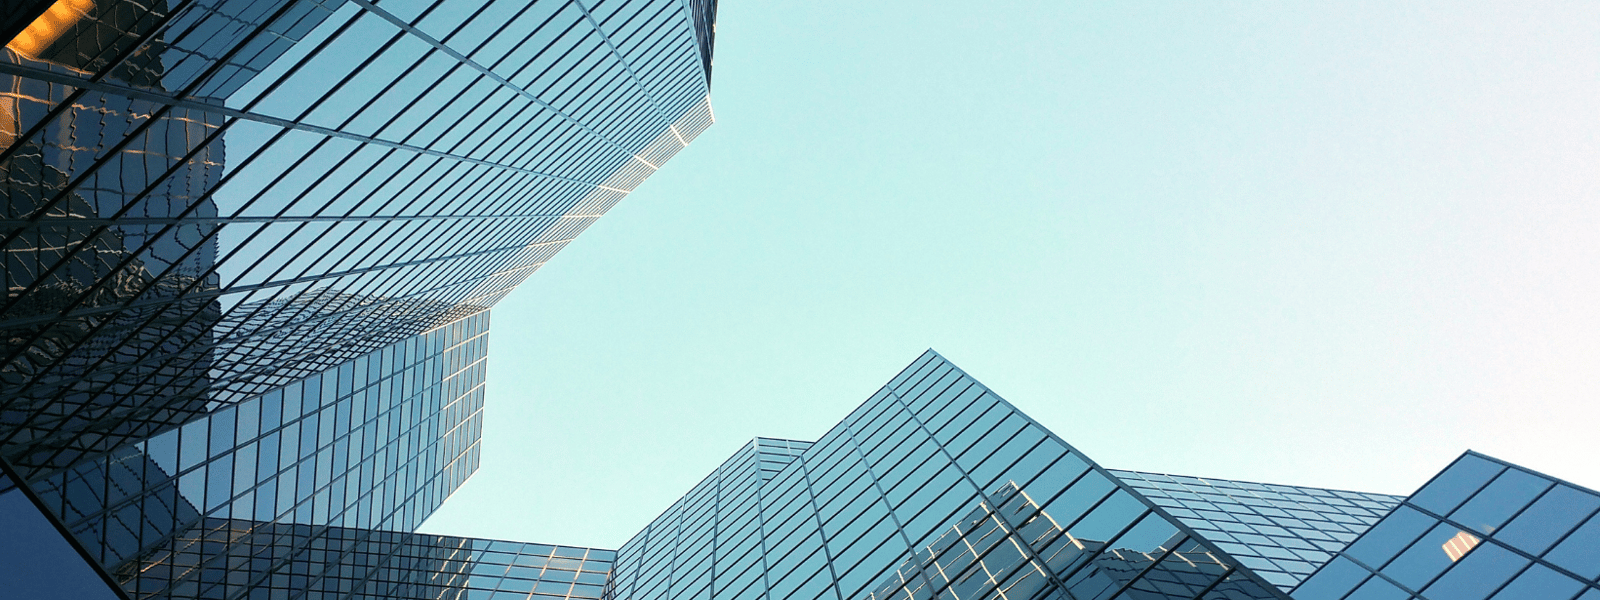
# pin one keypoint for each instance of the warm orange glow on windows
(1460, 545)
(49, 27)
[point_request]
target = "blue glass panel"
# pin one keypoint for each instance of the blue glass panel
(1540, 583)
(38, 561)
(1378, 589)
(1478, 574)
(1550, 518)
(1333, 581)
(1580, 552)
(1424, 560)
(1391, 535)
(1455, 484)
(1504, 497)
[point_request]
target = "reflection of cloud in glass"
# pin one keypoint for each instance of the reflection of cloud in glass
(1460, 545)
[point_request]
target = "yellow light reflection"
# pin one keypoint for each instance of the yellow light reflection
(49, 27)
(1460, 545)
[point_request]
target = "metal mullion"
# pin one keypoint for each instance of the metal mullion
(322, 529)
(617, 55)
(613, 86)
(56, 111)
(641, 31)
(588, 75)
(1148, 568)
(896, 397)
(138, 130)
(661, 18)
(288, 219)
(245, 115)
(258, 308)
(526, 40)
(549, 69)
(565, 139)
(525, 68)
(215, 293)
(536, 121)
(900, 528)
(1228, 571)
(1030, 556)
(367, 4)
(173, 169)
(1518, 551)
(822, 535)
(49, 321)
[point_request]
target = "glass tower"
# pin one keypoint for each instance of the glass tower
(250, 248)
(249, 252)
(938, 488)
(206, 200)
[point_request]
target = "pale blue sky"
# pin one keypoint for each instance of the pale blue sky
(1330, 244)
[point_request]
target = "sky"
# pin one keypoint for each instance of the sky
(1332, 244)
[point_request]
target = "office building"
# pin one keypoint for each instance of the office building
(938, 488)
(249, 252)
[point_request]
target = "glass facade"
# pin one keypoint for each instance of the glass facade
(249, 252)
(1481, 529)
(1281, 532)
(250, 247)
(209, 199)
(935, 487)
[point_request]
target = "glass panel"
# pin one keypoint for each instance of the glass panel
(1540, 583)
(1424, 560)
(1390, 536)
(1548, 520)
(1378, 589)
(1505, 496)
(1580, 552)
(1455, 484)
(1477, 575)
(1333, 581)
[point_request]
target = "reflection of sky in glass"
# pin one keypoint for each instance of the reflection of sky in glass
(1481, 529)
(1282, 532)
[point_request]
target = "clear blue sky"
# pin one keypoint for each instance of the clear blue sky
(1330, 244)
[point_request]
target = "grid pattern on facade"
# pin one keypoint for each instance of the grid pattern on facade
(500, 570)
(1481, 529)
(195, 189)
(1281, 532)
(375, 443)
(842, 519)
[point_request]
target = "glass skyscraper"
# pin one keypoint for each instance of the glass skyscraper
(250, 252)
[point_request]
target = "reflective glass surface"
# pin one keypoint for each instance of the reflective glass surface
(933, 487)
(1281, 532)
(206, 200)
(1481, 529)
(249, 251)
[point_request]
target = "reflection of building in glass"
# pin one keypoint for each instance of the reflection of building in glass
(249, 251)
(1460, 545)
(1281, 532)
(388, 169)
(1506, 533)
(251, 369)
